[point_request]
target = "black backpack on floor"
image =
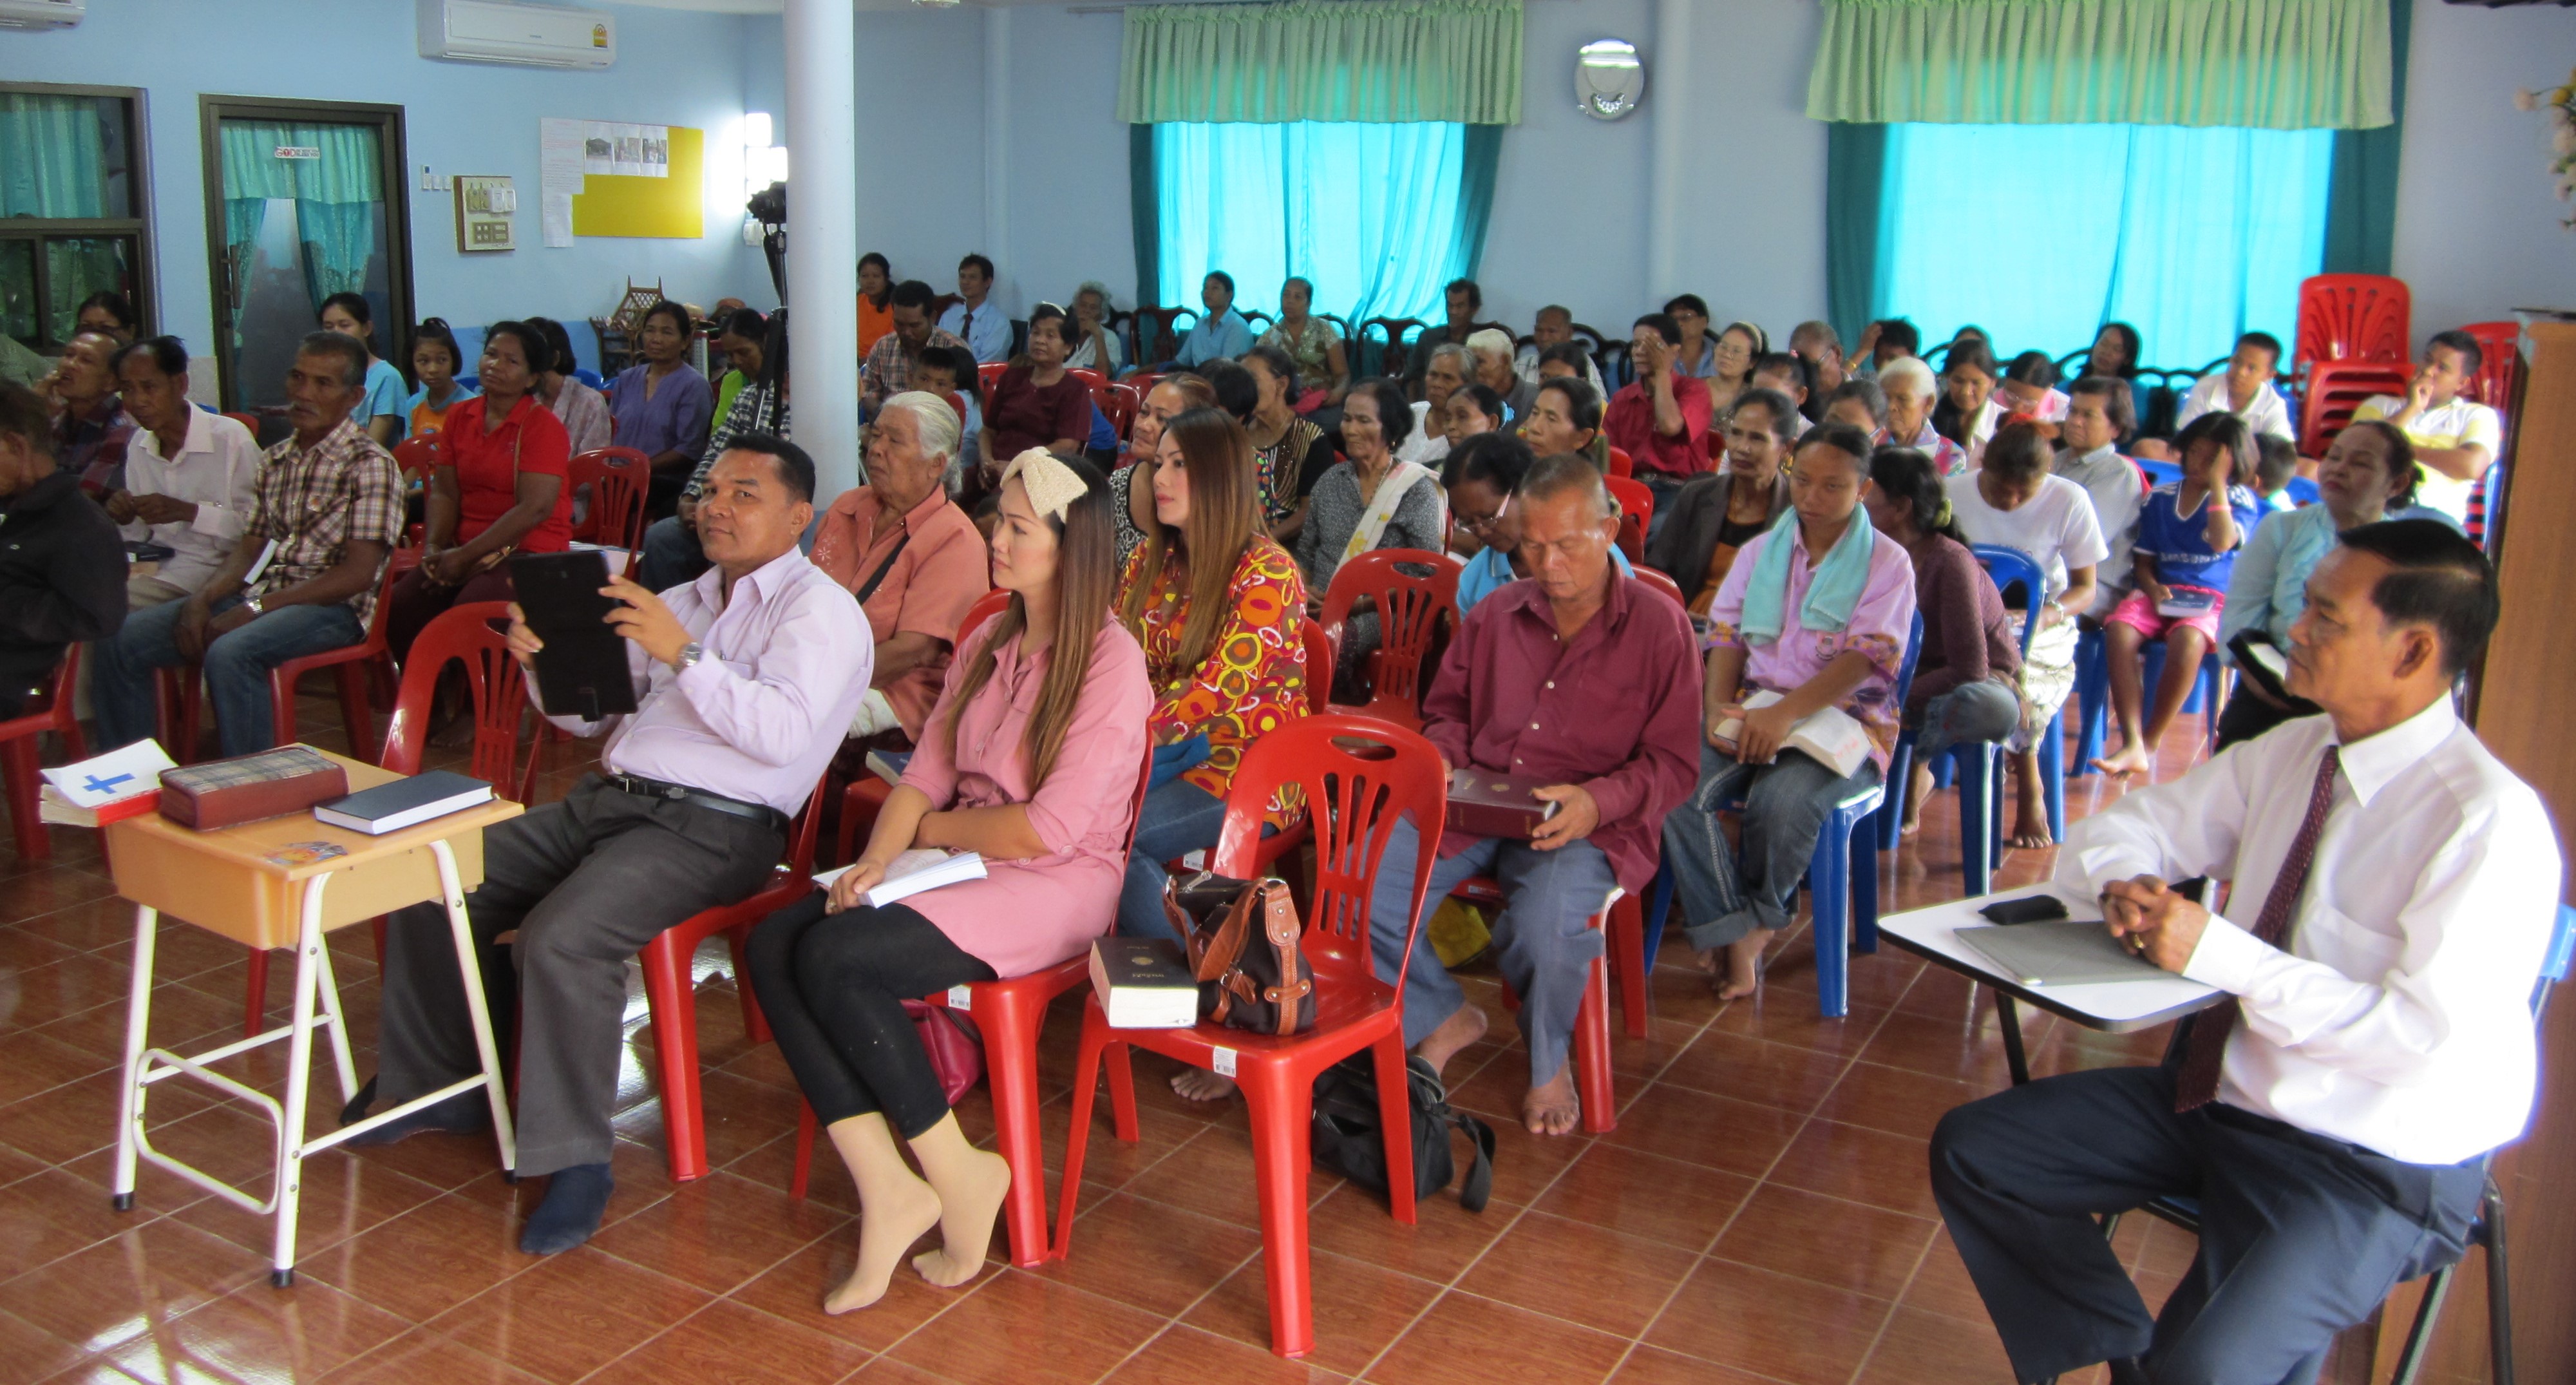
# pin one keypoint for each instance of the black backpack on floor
(1347, 1141)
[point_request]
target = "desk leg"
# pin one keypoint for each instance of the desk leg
(471, 970)
(2010, 1015)
(299, 1081)
(330, 997)
(138, 1020)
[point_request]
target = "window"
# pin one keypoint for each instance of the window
(1379, 216)
(72, 184)
(2041, 233)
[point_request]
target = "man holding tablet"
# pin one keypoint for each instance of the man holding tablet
(2393, 890)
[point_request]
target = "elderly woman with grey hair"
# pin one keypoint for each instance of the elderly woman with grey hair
(1911, 392)
(1449, 369)
(1490, 350)
(1090, 344)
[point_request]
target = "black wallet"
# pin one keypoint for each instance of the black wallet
(582, 670)
(2037, 908)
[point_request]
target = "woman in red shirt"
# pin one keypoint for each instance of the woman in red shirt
(501, 487)
(1035, 403)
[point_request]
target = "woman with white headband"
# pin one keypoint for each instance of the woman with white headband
(1030, 759)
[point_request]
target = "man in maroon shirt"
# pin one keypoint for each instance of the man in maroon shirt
(1522, 691)
(1661, 418)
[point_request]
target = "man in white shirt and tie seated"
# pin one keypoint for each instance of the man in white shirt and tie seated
(2393, 891)
(191, 477)
(745, 680)
(976, 319)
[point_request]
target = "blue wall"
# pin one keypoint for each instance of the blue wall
(674, 68)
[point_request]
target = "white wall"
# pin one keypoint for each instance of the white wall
(2478, 229)
(674, 67)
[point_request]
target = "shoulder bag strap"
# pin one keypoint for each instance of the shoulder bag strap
(869, 587)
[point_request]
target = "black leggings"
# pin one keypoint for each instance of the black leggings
(833, 987)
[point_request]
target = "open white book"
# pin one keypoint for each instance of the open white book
(922, 868)
(1830, 735)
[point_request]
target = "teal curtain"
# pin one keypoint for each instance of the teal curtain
(1144, 214)
(2259, 64)
(2040, 233)
(1480, 163)
(1352, 207)
(2361, 213)
(1855, 175)
(54, 157)
(1397, 61)
(337, 196)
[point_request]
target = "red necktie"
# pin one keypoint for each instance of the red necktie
(2201, 1060)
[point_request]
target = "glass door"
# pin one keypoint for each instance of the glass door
(71, 221)
(305, 199)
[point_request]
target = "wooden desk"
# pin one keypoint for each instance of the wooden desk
(272, 884)
(2117, 1007)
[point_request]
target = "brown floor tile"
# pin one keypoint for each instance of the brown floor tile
(794, 1290)
(1921, 1348)
(1151, 1255)
(44, 891)
(426, 1261)
(1022, 1328)
(1647, 1195)
(1443, 1241)
(1788, 1076)
(422, 1355)
(1941, 1285)
(1212, 1175)
(263, 1332)
(727, 1343)
(15, 1165)
(718, 1232)
(1858, 1165)
(1652, 1366)
(1719, 1132)
(570, 1315)
(1844, 1244)
(78, 982)
(1582, 1273)
(1896, 1101)
(32, 1352)
(53, 1214)
(1771, 1324)
(134, 1282)
(1359, 1308)
(1187, 1356)
(342, 1197)
(1466, 1340)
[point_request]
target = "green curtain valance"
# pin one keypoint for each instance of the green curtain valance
(1336, 60)
(2257, 64)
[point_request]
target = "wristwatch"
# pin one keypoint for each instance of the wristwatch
(688, 656)
(252, 604)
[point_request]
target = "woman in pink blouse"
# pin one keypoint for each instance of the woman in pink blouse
(1030, 758)
(1815, 613)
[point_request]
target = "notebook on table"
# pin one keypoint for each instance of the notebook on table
(405, 802)
(2073, 952)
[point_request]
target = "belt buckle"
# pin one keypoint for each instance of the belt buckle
(674, 792)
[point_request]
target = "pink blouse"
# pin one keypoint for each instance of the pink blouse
(1025, 915)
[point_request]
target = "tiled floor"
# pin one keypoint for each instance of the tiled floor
(1760, 1214)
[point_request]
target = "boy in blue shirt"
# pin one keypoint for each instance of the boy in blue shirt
(2188, 537)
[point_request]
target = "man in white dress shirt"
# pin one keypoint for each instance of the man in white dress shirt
(2244, 389)
(191, 477)
(976, 319)
(744, 681)
(2393, 890)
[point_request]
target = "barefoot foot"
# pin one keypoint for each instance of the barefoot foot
(1744, 965)
(1199, 1084)
(972, 1199)
(1462, 1028)
(1551, 1108)
(2132, 759)
(889, 1222)
(2030, 831)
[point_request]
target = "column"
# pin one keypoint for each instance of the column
(823, 237)
(1667, 102)
(997, 160)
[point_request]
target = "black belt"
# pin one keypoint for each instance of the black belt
(642, 787)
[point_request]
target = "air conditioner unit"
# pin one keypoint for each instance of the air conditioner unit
(41, 14)
(495, 31)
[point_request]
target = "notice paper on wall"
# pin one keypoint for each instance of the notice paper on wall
(572, 151)
(559, 177)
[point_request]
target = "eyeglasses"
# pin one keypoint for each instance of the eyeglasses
(1481, 525)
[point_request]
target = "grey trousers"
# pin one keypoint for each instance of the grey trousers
(1542, 942)
(1784, 803)
(587, 882)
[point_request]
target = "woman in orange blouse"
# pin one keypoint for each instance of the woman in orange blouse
(1215, 602)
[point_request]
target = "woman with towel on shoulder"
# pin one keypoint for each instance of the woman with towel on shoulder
(1807, 632)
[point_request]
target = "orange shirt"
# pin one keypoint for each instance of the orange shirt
(928, 588)
(874, 322)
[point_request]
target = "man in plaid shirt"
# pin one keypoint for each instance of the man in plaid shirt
(890, 363)
(331, 501)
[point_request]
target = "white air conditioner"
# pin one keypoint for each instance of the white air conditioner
(495, 31)
(41, 14)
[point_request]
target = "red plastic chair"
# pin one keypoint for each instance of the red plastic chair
(19, 757)
(618, 479)
(987, 376)
(1409, 615)
(1636, 513)
(418, 456)
(1091, 379)
(1011, 1013)
(1624, 919)
(1119, 403)
(2499, 363)
(670, 994)
(249, 421)
(356, 666)
(2336, 389)
(867, 793)
(2353, 317)
(1663, 584)
(1355, 802)
(1622, 465)
(1321, 654)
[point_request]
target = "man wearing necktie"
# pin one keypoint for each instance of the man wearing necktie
(2392, 891)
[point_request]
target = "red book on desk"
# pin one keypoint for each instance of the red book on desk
(1485, 804)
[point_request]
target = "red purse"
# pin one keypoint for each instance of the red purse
(955, 1046)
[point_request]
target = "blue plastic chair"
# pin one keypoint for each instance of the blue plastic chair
(2160, 473)
(2093, 690)
(1842, 884)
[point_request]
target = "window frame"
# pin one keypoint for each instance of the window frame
(138, 226)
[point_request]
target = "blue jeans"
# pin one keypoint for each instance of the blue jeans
(1981, 711)
(237, 666)
(1179, 817)
(1784, 803)
(671, 556)
(1543, 940)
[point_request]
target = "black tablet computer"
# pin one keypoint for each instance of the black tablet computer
(581, 671)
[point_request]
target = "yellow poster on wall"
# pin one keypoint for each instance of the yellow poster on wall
(672, 207)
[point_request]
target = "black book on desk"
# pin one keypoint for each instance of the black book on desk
(581, 671)
(404, 802)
